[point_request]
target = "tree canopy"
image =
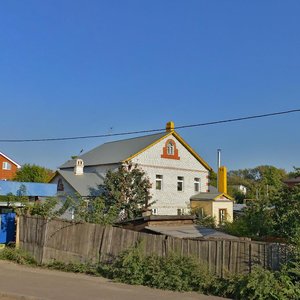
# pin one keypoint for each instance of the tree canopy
(125, 194)
(260, 181)
(128, 189)
(275, 216)
(33, 173)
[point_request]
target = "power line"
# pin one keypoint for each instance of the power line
(150, 130)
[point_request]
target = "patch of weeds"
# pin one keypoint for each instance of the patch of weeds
(74, 267)
(17, 255)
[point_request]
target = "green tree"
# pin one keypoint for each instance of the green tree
(47, 208)
(213, 178)
(295, 173)
(286, 212)
(33, 173)
(261, 181)
(128, 190)
(235, 193)
(256, 221)
(94, 210)
(202, 219)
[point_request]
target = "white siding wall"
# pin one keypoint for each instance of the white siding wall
(68, 191)
(217, 205)
(168, 200)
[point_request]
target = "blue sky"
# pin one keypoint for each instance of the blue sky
(74, 67)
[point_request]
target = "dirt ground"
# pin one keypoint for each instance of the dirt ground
(22, 282)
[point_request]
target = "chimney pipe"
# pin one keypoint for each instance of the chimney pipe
(79, 165)
(218, 166)
(219, 158)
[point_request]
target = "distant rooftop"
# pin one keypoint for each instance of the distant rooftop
(27, 188)
(190, 231)
(293, 180)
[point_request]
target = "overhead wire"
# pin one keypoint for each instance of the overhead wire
(149, 130)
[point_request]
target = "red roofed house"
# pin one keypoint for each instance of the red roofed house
(8, 167)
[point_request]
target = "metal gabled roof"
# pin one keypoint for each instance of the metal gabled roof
(209, 196)
(125, 150)
(116, 152)
(86, 184)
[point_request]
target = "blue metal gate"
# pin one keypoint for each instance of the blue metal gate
(7, 228)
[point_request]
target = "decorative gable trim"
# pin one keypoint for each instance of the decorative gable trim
(223, 195)
(170, 150)
(192, 151)
(146, 148)
(182, 141)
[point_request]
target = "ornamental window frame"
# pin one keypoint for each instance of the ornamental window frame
(170, 148)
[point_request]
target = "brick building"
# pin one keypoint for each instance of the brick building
(8, 167)
(175, 170)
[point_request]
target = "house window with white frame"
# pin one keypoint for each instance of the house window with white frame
(197, 184)
(170, 148)
(180, 180)
(6, 165)
(158, 182)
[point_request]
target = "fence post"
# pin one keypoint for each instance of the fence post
(17, 220)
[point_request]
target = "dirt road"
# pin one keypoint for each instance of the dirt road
(21, 282)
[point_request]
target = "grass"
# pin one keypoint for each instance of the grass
(18, 256)
(178, 274)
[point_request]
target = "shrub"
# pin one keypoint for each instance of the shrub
(187, 274)
(265, 284)
(172, 272)
(127, 267)
(17, 255)
(74, 267)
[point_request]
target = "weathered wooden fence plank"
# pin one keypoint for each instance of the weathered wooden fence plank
(67, 241)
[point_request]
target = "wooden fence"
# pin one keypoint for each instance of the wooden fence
(81, 242)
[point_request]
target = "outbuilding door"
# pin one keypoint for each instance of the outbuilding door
(7, 228)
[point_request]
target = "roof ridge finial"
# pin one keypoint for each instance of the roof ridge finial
(170, 126)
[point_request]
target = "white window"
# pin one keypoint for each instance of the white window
(6, 166)
(170, 148)
(197, 184)
(180, 183)
(154, 211)
(158, 182)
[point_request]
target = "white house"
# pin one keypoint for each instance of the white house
(241, 188)
(175, 170)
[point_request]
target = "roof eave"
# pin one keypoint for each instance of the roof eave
(192, 151)
(15, 163)
(182, 141)
(146, 148)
